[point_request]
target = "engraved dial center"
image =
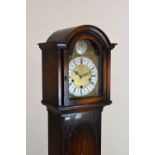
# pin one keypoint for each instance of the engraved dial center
(81, 75)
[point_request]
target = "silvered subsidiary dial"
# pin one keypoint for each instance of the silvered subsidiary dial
(83, 76)
(81, 47)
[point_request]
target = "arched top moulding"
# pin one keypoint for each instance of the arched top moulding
(62, 38)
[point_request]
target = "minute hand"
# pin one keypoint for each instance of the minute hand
(85, 74)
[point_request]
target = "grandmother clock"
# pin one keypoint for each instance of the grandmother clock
(76, 87)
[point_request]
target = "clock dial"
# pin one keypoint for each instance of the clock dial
(83, 76)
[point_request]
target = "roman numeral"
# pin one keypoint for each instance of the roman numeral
(92, 82)
(81, 91)
(92, 68)
(74, 63)
(81, 61)
(74, 90)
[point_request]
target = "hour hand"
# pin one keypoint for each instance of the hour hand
(76, 72)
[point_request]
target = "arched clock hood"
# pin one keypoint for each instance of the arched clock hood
(56, 54)
(65, 36)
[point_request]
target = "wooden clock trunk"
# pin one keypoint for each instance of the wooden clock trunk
(75, 134)
(74, 124)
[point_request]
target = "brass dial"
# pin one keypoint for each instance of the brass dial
(83, 76)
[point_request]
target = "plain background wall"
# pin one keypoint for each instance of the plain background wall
(46, 16)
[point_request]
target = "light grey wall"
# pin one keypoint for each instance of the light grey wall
(46, 16)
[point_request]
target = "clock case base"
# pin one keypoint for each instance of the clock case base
(75, 130)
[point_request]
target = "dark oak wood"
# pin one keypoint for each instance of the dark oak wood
(74, 133)
(82, 133)
(74, 125)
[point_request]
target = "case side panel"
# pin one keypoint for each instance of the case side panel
(50, 77)
(54, 134)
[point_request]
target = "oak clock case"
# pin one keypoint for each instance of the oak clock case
(76, 87)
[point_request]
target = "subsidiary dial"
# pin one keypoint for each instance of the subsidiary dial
(81, 47)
